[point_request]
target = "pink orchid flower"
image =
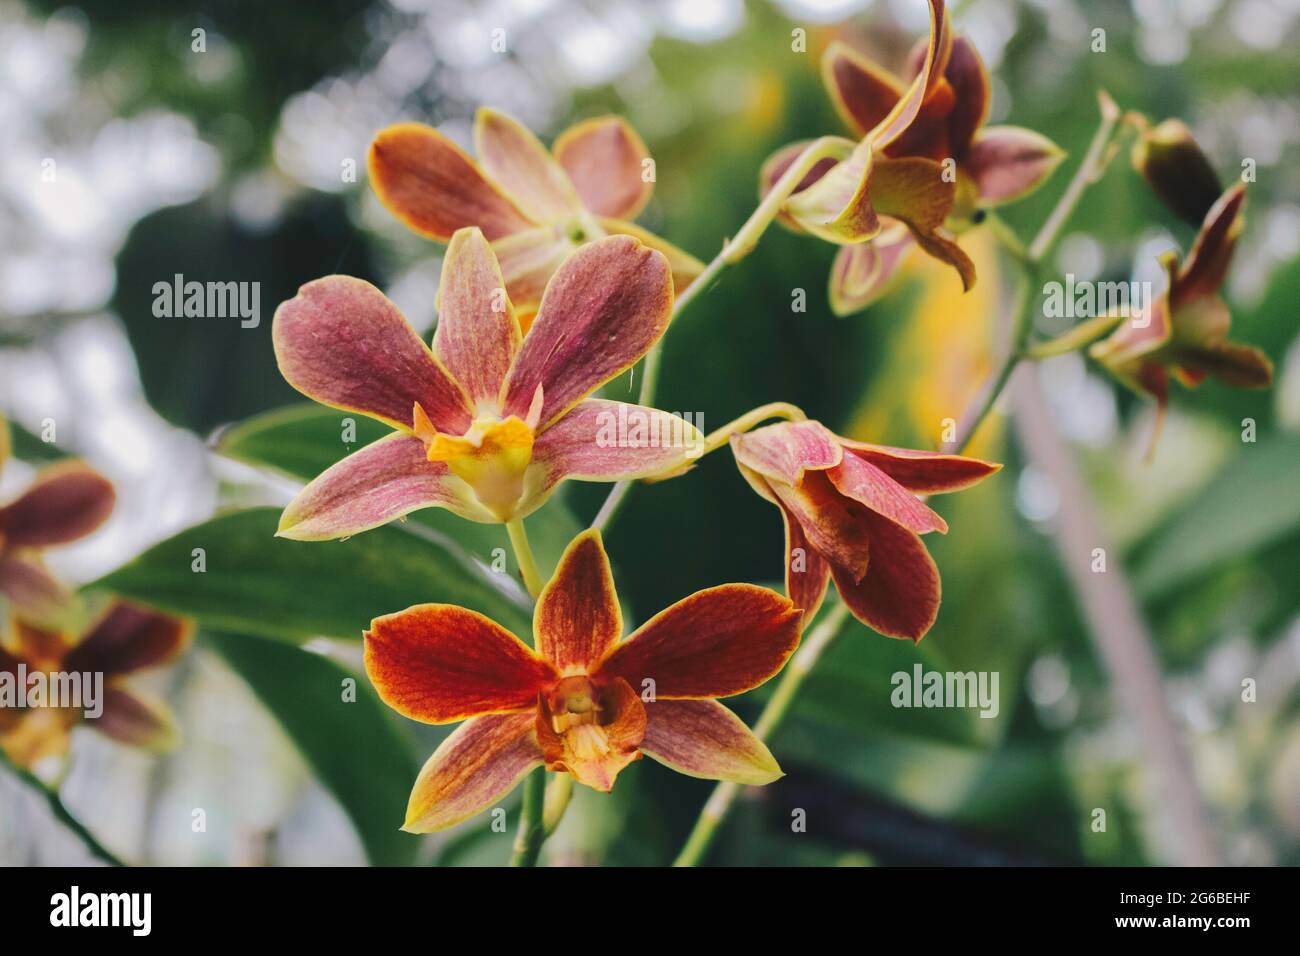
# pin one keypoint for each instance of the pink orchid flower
(587, 701)
(67, 501)
(534, 206)
(852, 513)
(488, 422)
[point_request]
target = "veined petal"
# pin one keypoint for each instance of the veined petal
(1136, 337)
(930, 75)
(476, 766)
(717, 642)
(784, 451)
(66, 502)
(971, 89)
(863, 93)
(702, 738)
(439, 663)
(806, 572)
(602, 440)
(341, 342)
(577, 617)
(861, 274)
(513, 157)
(684, 266)
(868, 485)
(129, 638)
(923, 472)
(477, 335)
(604, 158)
(430, 185)
(1207, 264)
(528, 259)
(831, 521)
(899, 594)
(1009, 162)
(383, 481)
(34, 593)
(595, 754)
(610, 301)
(137, 720)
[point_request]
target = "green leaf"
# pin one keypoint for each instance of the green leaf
(256, 583)
(301, 441)
(1249, 505)
(354, 747)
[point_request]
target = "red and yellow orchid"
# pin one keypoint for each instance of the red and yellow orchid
(584, 702)
(851, 513)
(124, 640)
(923, 165)
(536, 207)
(488, 421)
(1185, 330)
(66, 502)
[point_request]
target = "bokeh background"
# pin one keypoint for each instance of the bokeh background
(227, 165)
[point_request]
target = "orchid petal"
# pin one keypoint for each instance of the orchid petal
(136, 720)
(861, 274)
(775, 166)
(832, 522)
(969, 79)
(66, 502)
(34, 594)
(807, 573)
(702, 738)
(513, 157)
(127, 639)
(923, 472)
(1207, 264)
(604, 158)
(717, 642)
(385, 480)
(1009, 162)
(577, 618)
(482, 761)
(477, 335)
(341, 342)
(838, 207)
(603, 310)
(430, 185)
(528, 259)
(899, 595)
(439, 663)
(784, 451)
(868, 485)
(862, 92)
(684, 266)
(931, 74)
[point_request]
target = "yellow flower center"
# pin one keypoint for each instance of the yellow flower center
(491, 458)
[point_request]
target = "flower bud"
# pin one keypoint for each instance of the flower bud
(1177, 170)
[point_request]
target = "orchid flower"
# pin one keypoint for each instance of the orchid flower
(1185, 330)
(488, 422)
(924, 161)
(851, 513)
(534, 206)
(124, 640)
(584, 702)
(66, 502)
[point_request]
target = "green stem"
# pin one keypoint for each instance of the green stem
(778, 705)
(62, 813)
(1030, 261)
(735, 249)
(524, 555)
(532, 830)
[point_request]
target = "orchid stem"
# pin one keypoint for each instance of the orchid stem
(778, 705)
(733, 250)
(719, 437)
(558, 794)
(62, 813)
(524, 555)
(1030, 260)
